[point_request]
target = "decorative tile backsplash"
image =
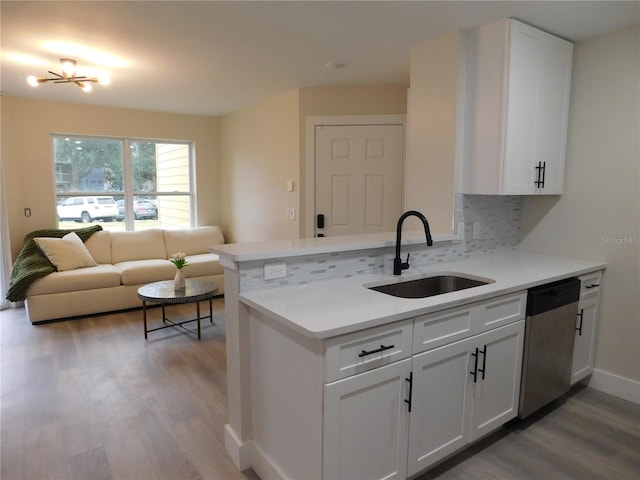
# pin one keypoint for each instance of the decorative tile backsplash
(499, 218)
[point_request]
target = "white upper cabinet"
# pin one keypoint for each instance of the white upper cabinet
(516, 108)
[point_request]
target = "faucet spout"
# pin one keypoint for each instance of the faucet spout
(398, 264)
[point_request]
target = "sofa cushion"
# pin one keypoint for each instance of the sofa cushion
(203, 265)
(137, 272)
(66, 253)
(99, 246)
(192, 240)
(100, 276)
(140, 245)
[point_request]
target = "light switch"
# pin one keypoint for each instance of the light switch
(289, 185)
(476, 230)
(291, 213)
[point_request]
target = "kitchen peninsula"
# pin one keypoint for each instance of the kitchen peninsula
(306, 351)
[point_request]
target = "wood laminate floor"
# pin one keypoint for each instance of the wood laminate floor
(91, 399)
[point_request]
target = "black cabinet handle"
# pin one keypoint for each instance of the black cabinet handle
(541, 171)
(579, 327)
(382, 348)
(475, 368)
(538, 181)
(320, 220)
(410, 380)
(593, 285)
(484, 361)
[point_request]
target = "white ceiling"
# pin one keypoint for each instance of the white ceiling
(214, 57)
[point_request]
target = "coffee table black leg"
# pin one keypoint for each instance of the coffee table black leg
(164, 317)
(211, 309)
(144, 316)
(198, 308)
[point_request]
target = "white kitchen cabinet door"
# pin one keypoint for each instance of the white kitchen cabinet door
(366, 423)
(496, 388)
(518, 86)
(584, 345)
(440, 404)
(537, 111)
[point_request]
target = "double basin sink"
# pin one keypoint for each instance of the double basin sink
(430, 286)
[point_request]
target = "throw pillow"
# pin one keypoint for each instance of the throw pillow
(66, 253)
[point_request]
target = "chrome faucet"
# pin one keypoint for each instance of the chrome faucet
(398, 264)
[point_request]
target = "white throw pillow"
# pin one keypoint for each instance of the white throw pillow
(66, 253)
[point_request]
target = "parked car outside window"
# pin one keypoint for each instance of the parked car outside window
(142, 209)
(88, 209)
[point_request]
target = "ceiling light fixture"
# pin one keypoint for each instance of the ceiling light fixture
(69, 75)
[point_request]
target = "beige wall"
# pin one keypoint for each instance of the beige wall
(431, 135)
(259, 153)
(345, 100)
(598, 215)
(263, 146)
(353, 100)
(27, 153)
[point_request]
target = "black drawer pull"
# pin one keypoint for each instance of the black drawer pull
(593, 285)
(382, 348)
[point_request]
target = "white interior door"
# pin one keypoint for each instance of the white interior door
(358, 178)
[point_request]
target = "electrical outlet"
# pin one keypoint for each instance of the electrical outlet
(275, 270)
(291, 213)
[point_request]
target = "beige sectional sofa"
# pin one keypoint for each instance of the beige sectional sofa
(126, 260)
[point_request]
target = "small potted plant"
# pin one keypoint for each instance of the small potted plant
(179, 259)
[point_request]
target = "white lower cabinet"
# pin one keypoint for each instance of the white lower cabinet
(496, 391)
(366, 424)
(397, 420)
(584, 344)
(462, 392)
(586, 327)
(440, 413)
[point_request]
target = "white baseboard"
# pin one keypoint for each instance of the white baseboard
(239, 452)
(615, 385)
(249, 455)
(265, 467)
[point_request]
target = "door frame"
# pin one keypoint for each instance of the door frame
(310, 153)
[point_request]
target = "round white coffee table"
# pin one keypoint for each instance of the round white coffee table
(164, 293)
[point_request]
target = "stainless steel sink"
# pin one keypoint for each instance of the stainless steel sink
(429, 286)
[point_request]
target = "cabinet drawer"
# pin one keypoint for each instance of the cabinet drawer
(361, 351)
(590, 284)
(501, 311)
(436, 329)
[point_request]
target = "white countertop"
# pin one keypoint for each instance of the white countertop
(242, 252)
(325, 309)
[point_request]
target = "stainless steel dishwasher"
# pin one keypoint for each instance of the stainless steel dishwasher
(548, 343)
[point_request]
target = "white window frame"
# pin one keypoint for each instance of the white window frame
(128, 193)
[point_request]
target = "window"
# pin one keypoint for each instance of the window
(123, 184)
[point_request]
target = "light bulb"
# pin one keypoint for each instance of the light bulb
(86, 86)
(68, 67)
(104, 79)
(33, 80)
